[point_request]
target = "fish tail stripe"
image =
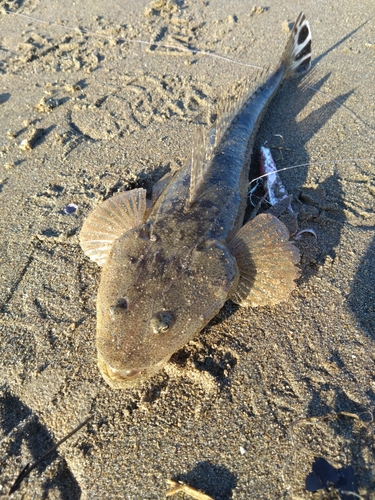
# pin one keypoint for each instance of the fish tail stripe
(297, 53)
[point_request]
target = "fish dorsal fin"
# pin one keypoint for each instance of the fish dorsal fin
(200, 161)
(109, 220)
(266, 260)
(160, 185)
(229, 107)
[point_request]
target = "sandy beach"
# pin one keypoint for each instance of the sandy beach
(246, 408)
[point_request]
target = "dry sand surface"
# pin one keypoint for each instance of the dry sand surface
(247, 406)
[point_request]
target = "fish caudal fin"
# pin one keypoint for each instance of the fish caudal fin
(266, 260)
(297, 53)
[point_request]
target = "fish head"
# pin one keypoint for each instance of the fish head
(152, 300)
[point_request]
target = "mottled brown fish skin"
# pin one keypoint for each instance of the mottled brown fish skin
(165, 279)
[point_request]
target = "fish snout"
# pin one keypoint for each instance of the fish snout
(126, 378)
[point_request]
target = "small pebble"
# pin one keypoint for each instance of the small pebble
(71, 208)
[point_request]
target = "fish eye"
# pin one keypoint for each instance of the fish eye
(121, 305)
(161, 322)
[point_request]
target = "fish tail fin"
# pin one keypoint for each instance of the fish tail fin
(297, 54)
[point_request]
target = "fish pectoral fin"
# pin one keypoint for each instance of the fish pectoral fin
(109, 220)
(266, 260)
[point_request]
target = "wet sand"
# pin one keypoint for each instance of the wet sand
(245, 408)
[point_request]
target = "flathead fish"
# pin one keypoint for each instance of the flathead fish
(170, 265)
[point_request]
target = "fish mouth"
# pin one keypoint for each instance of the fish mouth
(118, 378)
(125, 379)
(122, 374)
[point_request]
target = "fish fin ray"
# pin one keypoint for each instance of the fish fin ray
(200, 162)
(297, 53)
(161, 184)
(229, 108)
(109, 220)
(266, 260)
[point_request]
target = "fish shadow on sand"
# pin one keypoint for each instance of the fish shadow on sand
(361, 299)
(323, 209)
(214, 480)
(24, 427)
(320, 208)
(351, 422)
